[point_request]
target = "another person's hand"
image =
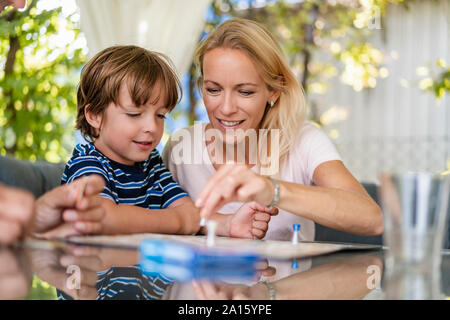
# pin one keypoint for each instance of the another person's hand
(251, 221)
(73, 273)
(16, 213)
(62, 204)
(234, 182)
(74, 269)
(15, 277)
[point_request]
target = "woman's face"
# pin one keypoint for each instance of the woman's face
(234, 93)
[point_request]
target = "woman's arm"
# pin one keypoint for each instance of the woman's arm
(338, 200)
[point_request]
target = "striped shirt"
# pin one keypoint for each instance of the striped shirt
(147, 184)
(127, 283)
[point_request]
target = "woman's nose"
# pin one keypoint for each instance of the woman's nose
(228, 106)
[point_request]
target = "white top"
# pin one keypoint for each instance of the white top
(312, 149)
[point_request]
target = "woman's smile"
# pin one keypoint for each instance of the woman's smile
(228, 124)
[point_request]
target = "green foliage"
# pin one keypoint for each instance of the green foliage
(327, 38)
(338, 30)
(41, 290)
(38, 83)
(437, 78)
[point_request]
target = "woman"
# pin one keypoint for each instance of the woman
(248, 89)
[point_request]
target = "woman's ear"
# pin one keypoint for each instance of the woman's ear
(275, 93)
(274, 96)
(94, 119)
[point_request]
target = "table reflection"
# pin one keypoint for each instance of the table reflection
(88, 272)
(346, 279)
(15, 273)
(106, 273)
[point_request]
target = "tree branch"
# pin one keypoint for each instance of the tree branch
(14, 47)
(192, 117)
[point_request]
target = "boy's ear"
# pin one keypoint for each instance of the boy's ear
(94, 119)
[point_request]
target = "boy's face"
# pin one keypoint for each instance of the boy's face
(129, 133)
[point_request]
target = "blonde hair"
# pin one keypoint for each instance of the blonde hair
(289, 111)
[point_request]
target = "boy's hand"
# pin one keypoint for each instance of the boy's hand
(251, 221)
(83, 214)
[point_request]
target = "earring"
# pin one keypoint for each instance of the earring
(271, 104)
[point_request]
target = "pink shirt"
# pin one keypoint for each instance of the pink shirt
(312, 148)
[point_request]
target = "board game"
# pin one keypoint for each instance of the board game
(264, 248)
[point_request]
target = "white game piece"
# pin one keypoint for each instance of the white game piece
(202, 222)
(295, 237)
(210, 238)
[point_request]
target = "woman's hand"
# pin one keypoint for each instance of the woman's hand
(234, 182)
(250, 221)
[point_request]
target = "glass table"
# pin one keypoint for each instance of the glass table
(58, 270)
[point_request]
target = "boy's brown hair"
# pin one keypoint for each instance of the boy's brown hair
(138, 68)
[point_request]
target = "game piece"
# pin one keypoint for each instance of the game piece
(211, 236)
(295, 236)
(202, 222)
(184, 262)
(271, 249)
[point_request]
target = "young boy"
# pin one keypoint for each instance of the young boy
(123, 97)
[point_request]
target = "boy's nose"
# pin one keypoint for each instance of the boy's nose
(149, 124)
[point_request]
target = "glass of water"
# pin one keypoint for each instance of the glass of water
(415, 209)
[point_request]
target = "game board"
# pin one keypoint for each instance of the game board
(264, 248)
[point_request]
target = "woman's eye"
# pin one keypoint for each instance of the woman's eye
(213, 91)
(161, 116)
(133, 115)
(246, 93)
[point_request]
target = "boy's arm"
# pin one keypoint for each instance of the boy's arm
(181, 217)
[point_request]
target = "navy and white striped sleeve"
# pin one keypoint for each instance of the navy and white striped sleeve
(171, 190)
(85, 166)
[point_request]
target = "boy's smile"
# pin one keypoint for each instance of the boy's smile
(144, 145)
(129, 133)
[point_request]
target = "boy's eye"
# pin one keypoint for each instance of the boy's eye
(133, 115)
(161, 116)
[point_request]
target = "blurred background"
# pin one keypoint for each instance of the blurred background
(376, 72)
